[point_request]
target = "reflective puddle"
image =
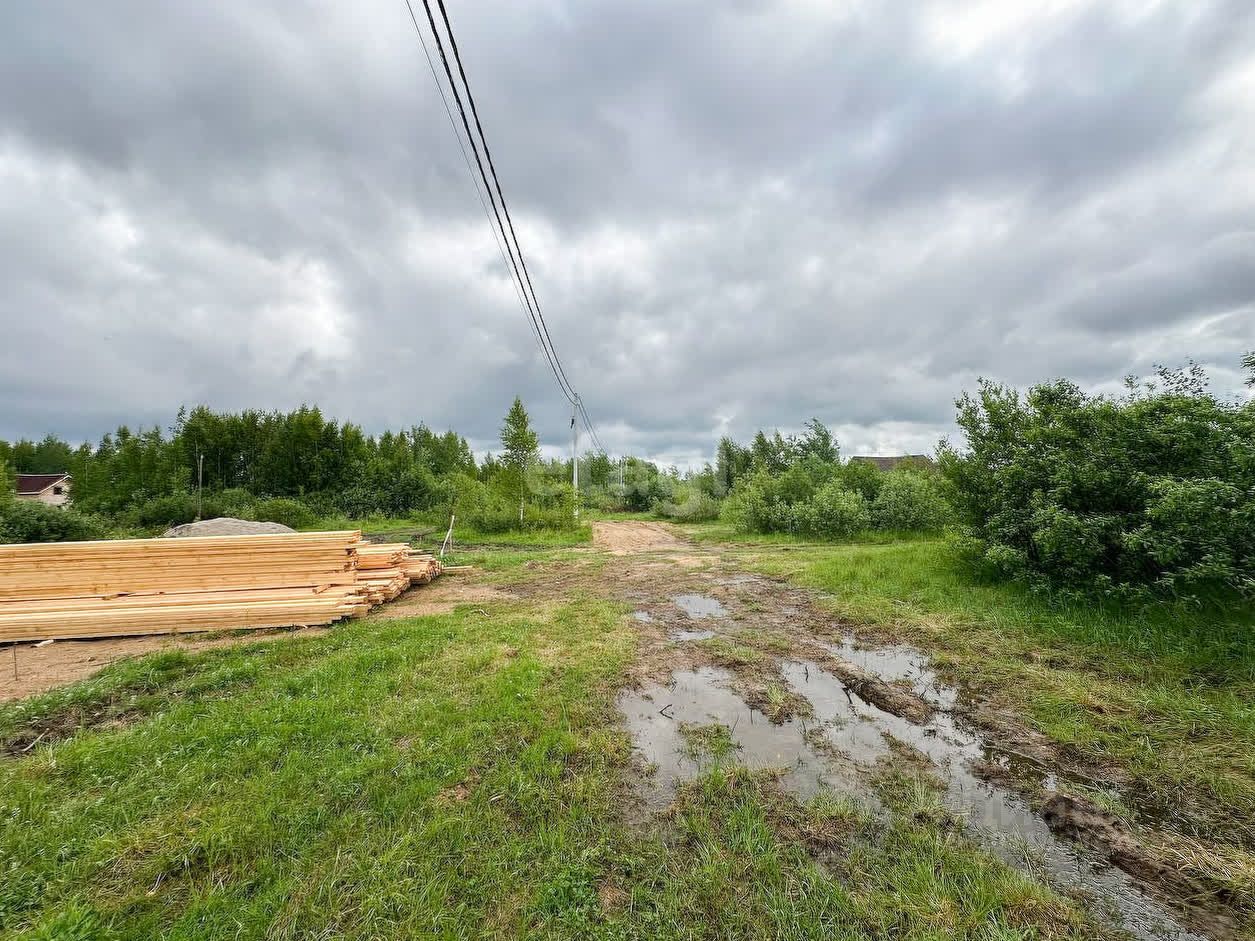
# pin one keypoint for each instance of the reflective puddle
(700, 606)
(691, 635)
(838, 747)
(657, 717)
(897, 662)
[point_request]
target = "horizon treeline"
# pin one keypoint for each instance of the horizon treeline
(293, 467)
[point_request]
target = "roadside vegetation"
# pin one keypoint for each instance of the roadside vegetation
(457, 775)
(1156, 699)
(301, 470)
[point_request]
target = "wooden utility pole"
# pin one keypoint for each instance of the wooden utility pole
(575, 457)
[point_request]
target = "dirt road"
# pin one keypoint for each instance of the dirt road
(768, 666)
(632, 537)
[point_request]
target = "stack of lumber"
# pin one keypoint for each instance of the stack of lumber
(156, 586)
(385, 570)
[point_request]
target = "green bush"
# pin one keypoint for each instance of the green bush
(909, 501)
(283, 510)
(1154, 489)
(833, 513)
(171, 510)
(31, 521)
(174, 509)
(697, 507)
(864, 477)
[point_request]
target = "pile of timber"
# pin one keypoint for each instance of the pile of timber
(156, 586)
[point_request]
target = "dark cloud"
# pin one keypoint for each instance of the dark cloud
(735, 214)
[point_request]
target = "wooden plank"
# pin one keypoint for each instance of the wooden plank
(122, 587)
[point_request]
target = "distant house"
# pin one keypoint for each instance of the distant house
(52, 489)
(893, 460)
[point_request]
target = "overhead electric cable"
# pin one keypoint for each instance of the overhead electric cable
(457, 97)
(512, 248)
(470, 97)
(457, 136)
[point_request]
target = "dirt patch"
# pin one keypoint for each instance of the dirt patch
(1081, 820)
(41, 668)
(887, 696)
(440, 597)
(632, 537)
(64, 724)
(810, 703)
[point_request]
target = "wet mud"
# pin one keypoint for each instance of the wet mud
(765, 671)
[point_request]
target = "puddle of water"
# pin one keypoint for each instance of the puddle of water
(691, 635)
(643, 616)
(655, 716)
(999, 818)
(856, 734)
(898, 662)
(700, 606)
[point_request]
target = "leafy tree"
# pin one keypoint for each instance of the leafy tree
(772, 454)
(732, 462)
(818, 442)
(521, 447)
(1152, 489)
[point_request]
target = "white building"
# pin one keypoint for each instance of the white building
(52, 489)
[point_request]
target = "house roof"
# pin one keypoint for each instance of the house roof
(891, 461)
(38, 483)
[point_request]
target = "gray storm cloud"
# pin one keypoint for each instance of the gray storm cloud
(736, 215)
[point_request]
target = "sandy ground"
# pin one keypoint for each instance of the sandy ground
(40, 669)
(629, 537)
(440, 597)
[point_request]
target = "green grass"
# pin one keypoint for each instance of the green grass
(720, 532)
(1165, 693)
(402, 528)
(453, 776)
(619, 515)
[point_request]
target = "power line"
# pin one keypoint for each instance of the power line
(588, 423)
(457, 97)
(512, 246)
(457, 136)
(457, 57)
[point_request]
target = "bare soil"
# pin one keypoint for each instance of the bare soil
(440, 597)
(41, 668)
(631, 537)
(719, 644)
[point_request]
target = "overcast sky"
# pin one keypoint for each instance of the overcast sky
(736, 214)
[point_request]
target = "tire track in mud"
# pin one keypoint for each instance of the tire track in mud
(798, 694)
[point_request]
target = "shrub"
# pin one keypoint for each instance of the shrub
(864, 477)
(909, 501)
(698, 507)
(31, 521)
(833, 513)
(164, 512)
(1152, 489)
(283, 510)
(492, 510)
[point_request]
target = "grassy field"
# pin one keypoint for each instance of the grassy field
(1162, 693)
(452, 776)
(402, 528)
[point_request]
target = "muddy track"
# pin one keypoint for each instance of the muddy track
(802, 695)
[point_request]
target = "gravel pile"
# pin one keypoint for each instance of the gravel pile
(226, 526)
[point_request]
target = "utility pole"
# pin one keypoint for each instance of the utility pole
(200, 479)
(575, 457)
